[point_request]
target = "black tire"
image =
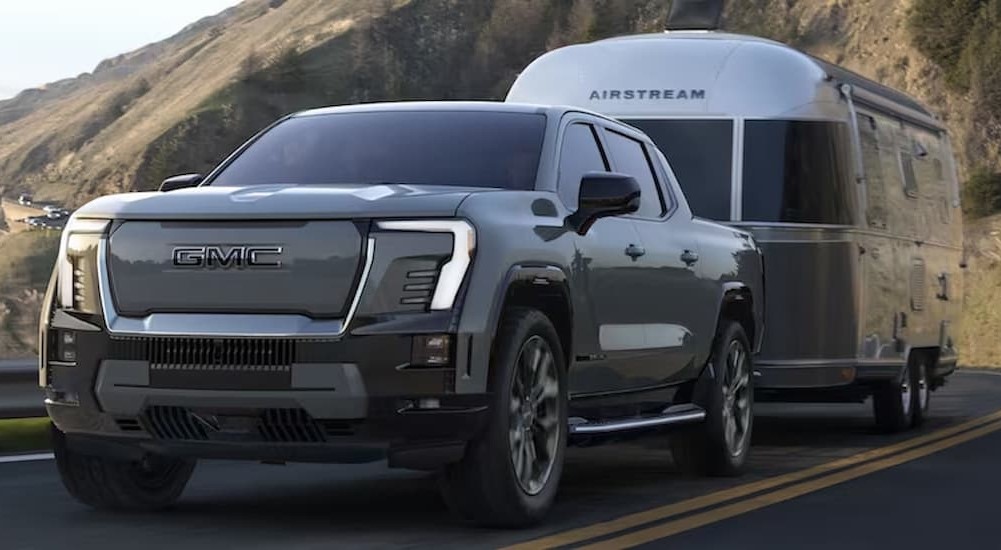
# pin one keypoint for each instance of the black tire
(706, 450)
(892, 402)
(144, 486)
(920, 389)
(484, 487)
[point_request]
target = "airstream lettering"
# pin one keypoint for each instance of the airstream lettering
(652, 94)
(849, 186)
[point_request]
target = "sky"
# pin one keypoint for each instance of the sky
(47, 40)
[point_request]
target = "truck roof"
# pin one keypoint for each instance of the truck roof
(470, 106)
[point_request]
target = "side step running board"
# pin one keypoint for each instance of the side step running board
(675, 414)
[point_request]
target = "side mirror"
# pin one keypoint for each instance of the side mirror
(603, 194)
(181, 182)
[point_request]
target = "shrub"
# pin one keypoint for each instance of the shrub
(982, 194)
(940, 30)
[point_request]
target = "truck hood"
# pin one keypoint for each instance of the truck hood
(282, 202)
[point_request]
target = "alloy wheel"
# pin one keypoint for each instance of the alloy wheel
(905, 391)
(922, 389)
(736, 398)
(534, 414)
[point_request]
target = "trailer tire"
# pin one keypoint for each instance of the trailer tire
(892, 402)
(921, 389)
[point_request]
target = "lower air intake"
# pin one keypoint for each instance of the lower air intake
(267, 425)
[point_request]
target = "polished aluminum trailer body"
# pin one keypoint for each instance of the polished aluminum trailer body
(849, 187)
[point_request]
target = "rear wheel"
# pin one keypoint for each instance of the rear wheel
(721, 445)
(921, 390)
(510, 472)
(893, 402)
(150, 484)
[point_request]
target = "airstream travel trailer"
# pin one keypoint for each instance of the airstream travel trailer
(849, 187)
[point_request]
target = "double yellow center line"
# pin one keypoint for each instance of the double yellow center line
(773, 490)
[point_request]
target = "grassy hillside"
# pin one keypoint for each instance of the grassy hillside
(26, 261)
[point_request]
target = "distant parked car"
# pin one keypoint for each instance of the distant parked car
(25, 199)
(49, 208)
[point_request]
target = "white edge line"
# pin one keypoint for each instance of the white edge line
(26, 458)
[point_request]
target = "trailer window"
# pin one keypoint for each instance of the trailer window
(699, 152)
(873, 167)
(797, 171)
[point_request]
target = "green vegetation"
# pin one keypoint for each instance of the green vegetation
(30, 434)
(963, 37)
(982, 194)
(26, 260)
(941, 32)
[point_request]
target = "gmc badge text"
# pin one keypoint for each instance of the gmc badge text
(459, 287)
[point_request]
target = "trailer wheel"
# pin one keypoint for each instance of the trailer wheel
(893, 401)
(921, 390)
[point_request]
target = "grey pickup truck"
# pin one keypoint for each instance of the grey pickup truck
(464, 288)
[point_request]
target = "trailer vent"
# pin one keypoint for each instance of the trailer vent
(695, 15)
(918, 285)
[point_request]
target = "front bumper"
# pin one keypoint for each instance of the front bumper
(353, 399)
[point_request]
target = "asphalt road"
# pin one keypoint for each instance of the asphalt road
(821, 477)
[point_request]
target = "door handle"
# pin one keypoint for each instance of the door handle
(634, 251)
(689, 257)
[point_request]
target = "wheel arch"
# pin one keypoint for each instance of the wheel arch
(737, 303)
(543, 287)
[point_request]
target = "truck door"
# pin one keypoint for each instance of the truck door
(609, 276)
(674, 301)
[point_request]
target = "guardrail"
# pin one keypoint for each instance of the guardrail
(20, 396)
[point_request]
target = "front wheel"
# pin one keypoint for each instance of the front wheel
(146, 485)
(510, 472)
(721, 445)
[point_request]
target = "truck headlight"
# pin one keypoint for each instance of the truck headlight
(77, 279)
(453, 272)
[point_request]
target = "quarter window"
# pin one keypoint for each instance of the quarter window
(579, 155)
(630, 158)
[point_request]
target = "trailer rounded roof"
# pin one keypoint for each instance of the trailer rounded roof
(700, 73)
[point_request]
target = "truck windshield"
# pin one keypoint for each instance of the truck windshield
(462, 148)
(700, 153)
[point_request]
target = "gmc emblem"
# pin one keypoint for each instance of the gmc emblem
(220, 257)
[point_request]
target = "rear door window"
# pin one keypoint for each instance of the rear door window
(631, 159)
